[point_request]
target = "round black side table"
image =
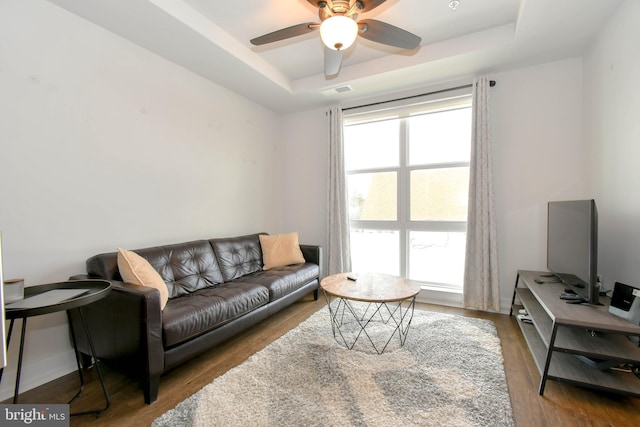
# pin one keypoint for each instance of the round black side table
(45, 299)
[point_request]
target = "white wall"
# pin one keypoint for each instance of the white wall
(306, 141)
(539, 155)
(103, 144)
(612, 117)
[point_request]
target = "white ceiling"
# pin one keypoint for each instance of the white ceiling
(211, 38)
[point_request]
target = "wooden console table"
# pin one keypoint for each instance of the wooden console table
(563, 333)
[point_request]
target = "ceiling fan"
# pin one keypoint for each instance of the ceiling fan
(339, 27)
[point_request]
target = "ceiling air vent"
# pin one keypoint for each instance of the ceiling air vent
(343, 89)
(339, 89)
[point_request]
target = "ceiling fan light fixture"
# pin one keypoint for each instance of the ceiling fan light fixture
(338, 32)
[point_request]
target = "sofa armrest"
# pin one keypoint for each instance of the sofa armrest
(313, 254)
(125, 326)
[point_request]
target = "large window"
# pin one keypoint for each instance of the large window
(408, 177)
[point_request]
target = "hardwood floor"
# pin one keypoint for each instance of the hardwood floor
(562, 404)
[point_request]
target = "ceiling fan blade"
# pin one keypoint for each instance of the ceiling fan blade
(369, 4)
(381, 32)
(285, 33)
(318, 3)
(332, 61)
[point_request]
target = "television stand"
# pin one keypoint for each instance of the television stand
(559, 332)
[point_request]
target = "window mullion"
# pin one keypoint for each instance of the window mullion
(404, 197)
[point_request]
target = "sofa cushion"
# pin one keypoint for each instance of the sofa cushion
(280, 250)
(238, 256)
(282, 280)
(192, 315)
(185, 267)
(137, 270)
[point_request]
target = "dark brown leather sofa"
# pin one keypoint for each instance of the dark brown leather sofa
(217, 288)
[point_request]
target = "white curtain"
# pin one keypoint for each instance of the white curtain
(481, 285)
(338, 250)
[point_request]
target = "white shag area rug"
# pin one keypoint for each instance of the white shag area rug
(448, 373)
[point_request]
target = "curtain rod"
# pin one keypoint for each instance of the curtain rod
(492, 83)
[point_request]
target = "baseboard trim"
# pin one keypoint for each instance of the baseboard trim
(430, 296)
(453, 299)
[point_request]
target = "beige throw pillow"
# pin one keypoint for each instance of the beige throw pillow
(137, 270)
(280, 250)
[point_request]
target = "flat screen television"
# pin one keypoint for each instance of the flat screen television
(572, 246)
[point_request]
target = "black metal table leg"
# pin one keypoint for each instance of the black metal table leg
(96, 364)
(78, 364)
(8, 342)
(17, 389)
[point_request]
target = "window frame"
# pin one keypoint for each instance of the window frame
(403, 224)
